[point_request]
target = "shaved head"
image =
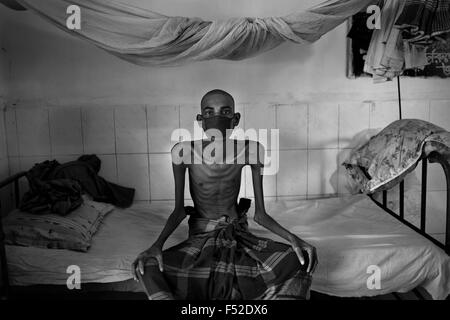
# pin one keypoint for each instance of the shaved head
(215, 95)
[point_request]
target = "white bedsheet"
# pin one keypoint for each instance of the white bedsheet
(350, 234)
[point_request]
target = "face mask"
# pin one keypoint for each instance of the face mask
(219, 123)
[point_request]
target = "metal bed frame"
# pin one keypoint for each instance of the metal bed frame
(433, 157)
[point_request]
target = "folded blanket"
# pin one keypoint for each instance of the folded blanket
(394, 152)
(74, 231)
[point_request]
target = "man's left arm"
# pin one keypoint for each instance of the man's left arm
(264, 219)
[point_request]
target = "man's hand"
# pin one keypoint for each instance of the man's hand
(299, 246)
(154, 252)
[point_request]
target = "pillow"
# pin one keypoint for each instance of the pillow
(52, 231)
(391, 154)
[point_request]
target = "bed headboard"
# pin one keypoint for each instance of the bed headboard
(433, 157)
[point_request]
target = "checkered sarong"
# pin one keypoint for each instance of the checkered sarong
(222, 260)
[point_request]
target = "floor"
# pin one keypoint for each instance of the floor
(315, 296)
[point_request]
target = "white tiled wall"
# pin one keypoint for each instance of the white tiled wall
(65, 131)
(134, 143)
(292, 121)
(99, 134)
(131, 129)
(350, 125)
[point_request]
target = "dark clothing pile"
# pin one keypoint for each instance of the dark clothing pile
(58, 188)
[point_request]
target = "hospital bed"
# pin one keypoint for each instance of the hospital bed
(364, 248)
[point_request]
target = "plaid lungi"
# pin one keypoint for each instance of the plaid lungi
(222, 260)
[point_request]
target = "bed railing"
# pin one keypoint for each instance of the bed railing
(433, 157)
(14, 180)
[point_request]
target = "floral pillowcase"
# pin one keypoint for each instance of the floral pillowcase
(388, 156)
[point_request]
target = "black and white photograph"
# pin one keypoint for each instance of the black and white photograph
(225, 154)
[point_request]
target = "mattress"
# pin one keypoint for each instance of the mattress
(355, 240)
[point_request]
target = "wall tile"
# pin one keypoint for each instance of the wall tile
(291, 179)
(292, 121)
(108, 169)
(383, 113)
(353, 122)
(131, 129)
(322, 167)
(98, 130)
(260, 117)
(64, 158)
(269, 184)
(436, 177)
(436, 206)
(162, 184)
(416, 109)
(440, 113)
(162, 121)
(323, 125)
(33, 132)
(188, 116)
(133, 172)
(65, 131)
(26, 163)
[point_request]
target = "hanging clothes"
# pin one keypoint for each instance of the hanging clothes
(384, 59)
(389, 53)
(361, 37)
(423, 22)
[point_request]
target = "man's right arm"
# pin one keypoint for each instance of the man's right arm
(178, 213)
(174, 220)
